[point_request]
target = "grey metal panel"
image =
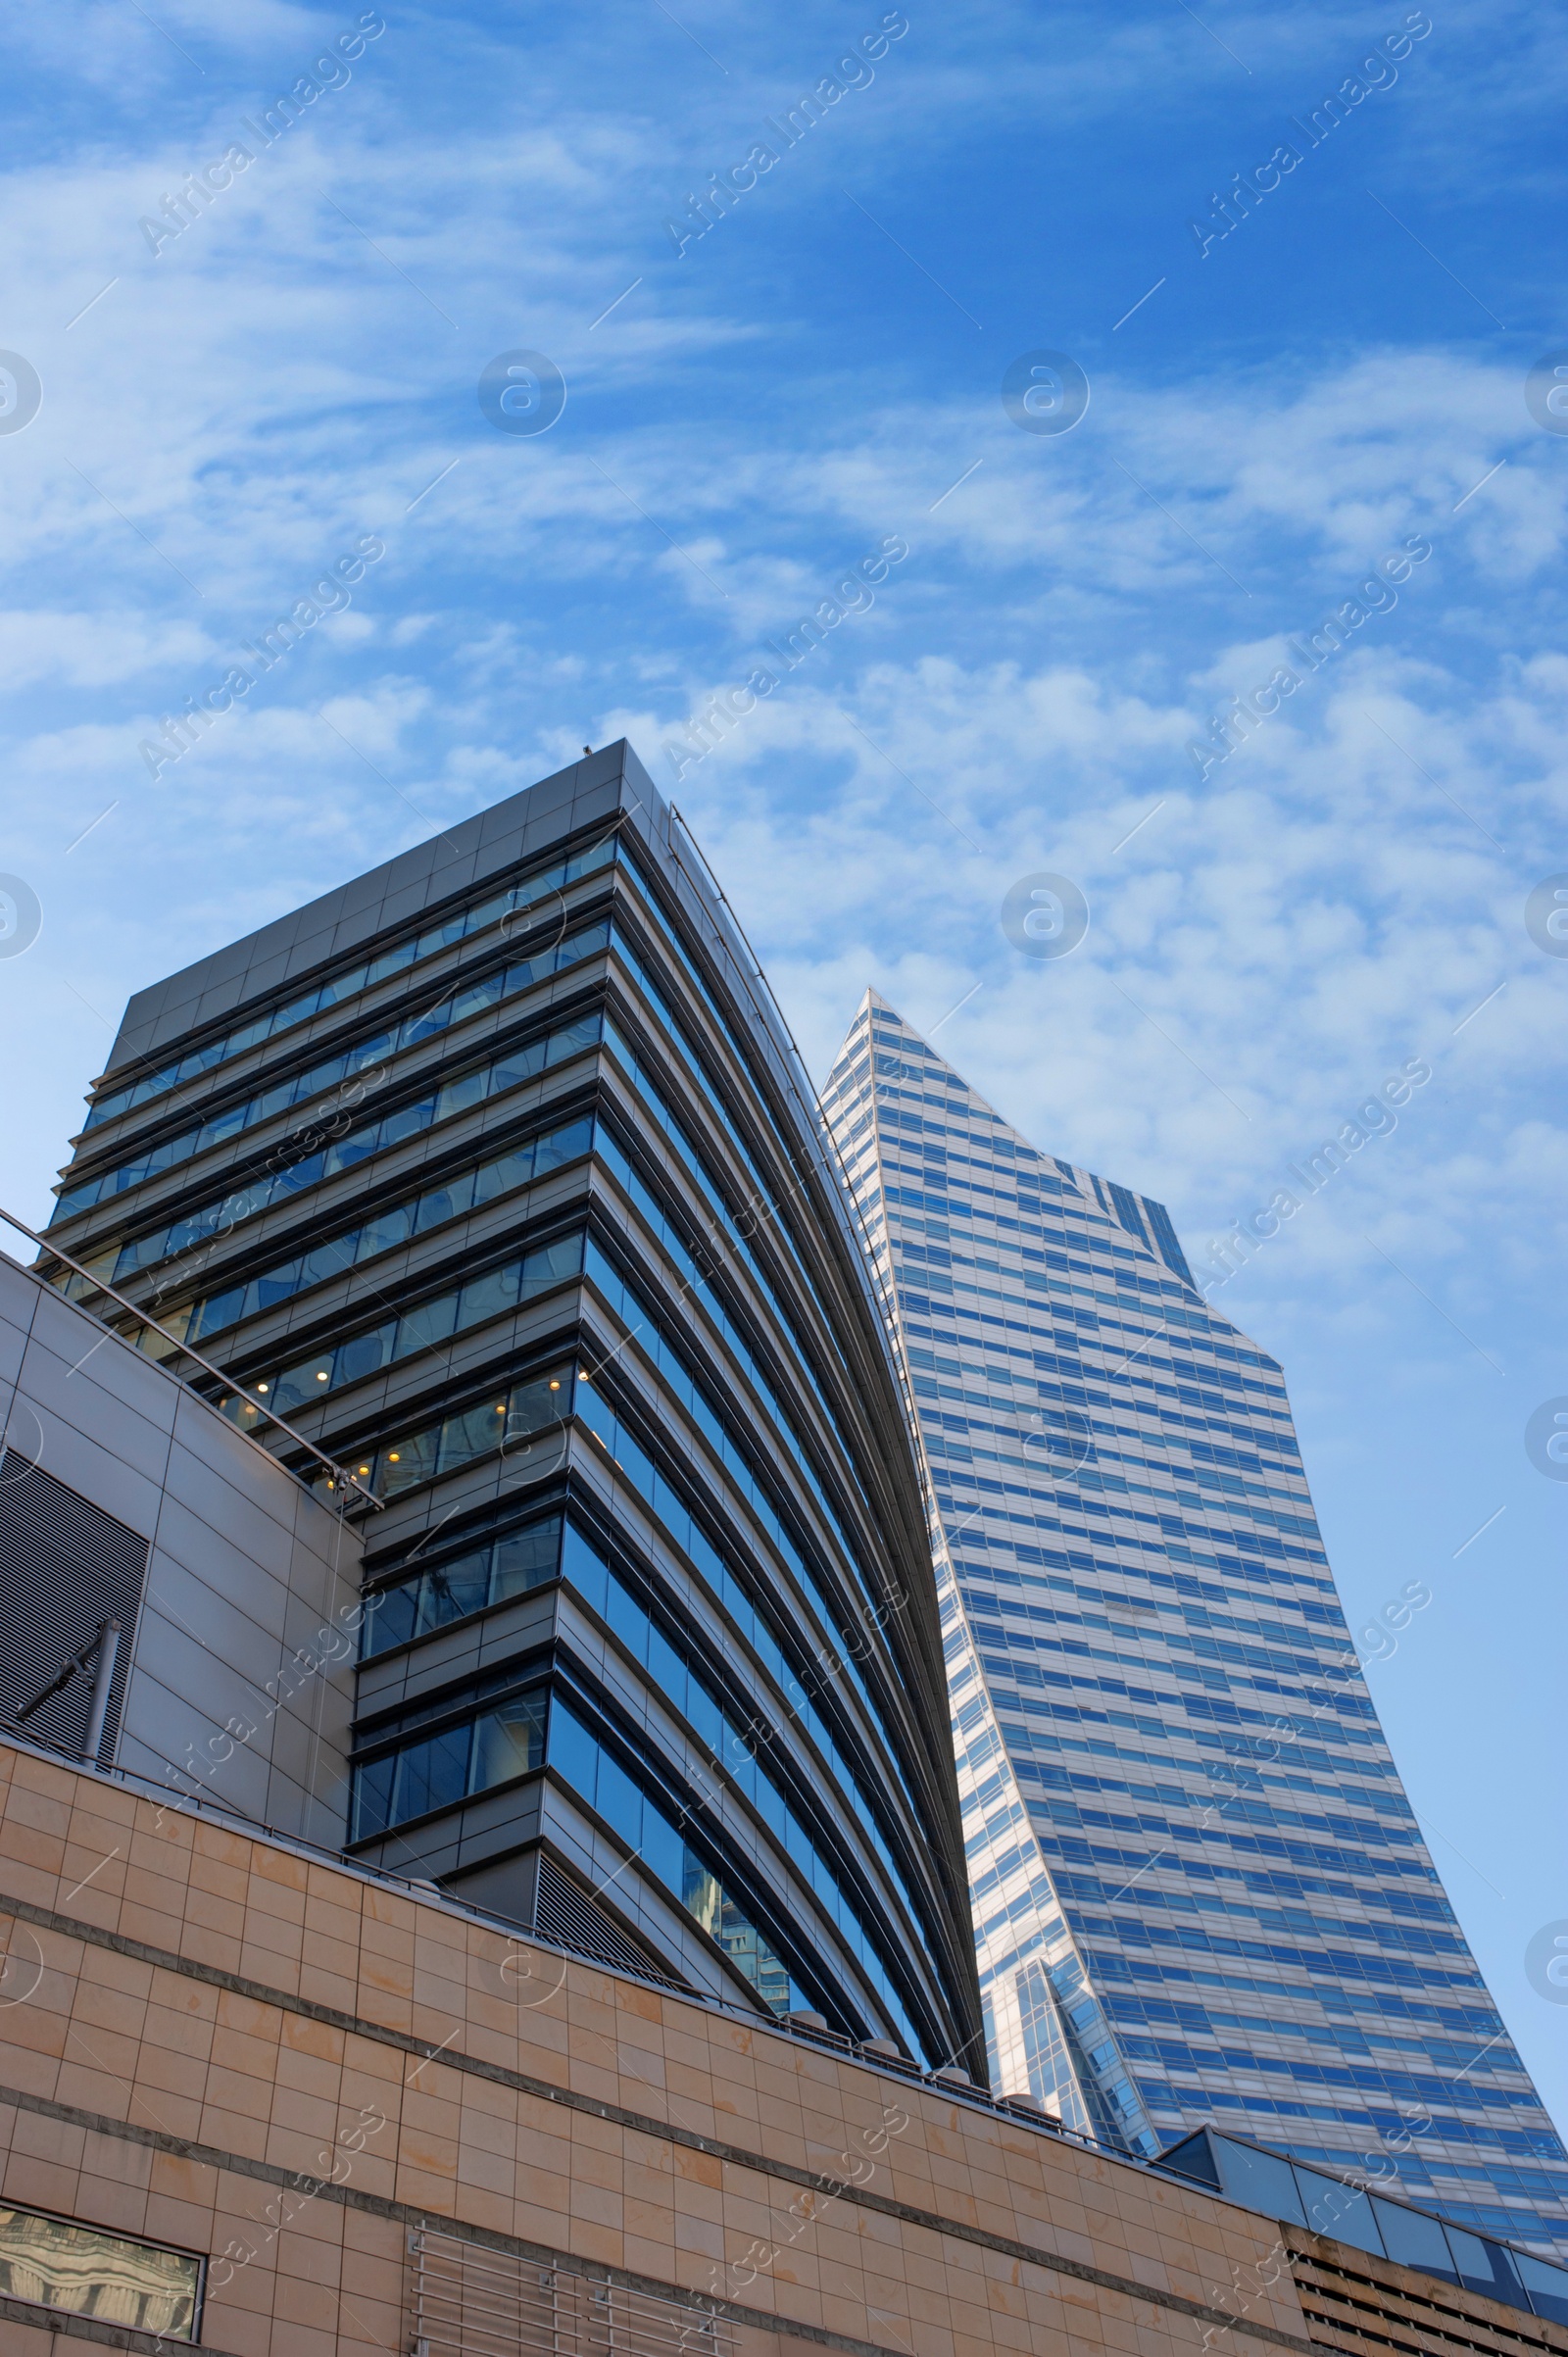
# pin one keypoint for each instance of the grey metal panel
(314, 949)
(91, 1436)
(16, 1301)
(400, 885)
(230, 1489)
(529, 1620)
(493, 1825)
(245, 1572)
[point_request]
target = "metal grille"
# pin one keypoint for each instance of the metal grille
(568, 1917)
(64, 1566)
(472, 2301)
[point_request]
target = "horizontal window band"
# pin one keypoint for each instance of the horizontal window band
(403, 1221)
(351, 981)
(507, 1069)
(375, 1050)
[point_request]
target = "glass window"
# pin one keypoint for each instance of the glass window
(475, 1431)
(373, 1795)
(363, 1355)
(573, 1754)
(609, 1154)
(453, 1590)
(55, 2263)
(1337, 2209)
(348, 1152)
(394, 1226)
(1260, 2179)
(412, 1460)
(1547, 2287)
(509, 1741)
(1414, 2238)
(618, 1800)
(634, 1463)
(490, 1424)
(445, 1593)
(456, 1095)
(582, 1567)
(432, 1322)
(646, 1327)
(694, 1068)
(729, 1748)
(433, 1773)
(525, 1560)
(347, 985)
(1485, 2267)
(436, 1771)
(589, 1769)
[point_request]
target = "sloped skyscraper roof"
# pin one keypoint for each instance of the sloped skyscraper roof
(1199, 1892)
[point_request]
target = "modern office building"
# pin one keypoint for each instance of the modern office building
(496, 1174)
(1199, 1892)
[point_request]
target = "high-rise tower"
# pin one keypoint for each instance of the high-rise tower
(497, 1174)
(1199, 1892)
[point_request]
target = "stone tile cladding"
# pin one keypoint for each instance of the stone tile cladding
(200, 2029)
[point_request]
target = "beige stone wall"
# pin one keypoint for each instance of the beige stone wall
(201, 2028)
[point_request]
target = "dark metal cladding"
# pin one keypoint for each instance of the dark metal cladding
(497, 1174)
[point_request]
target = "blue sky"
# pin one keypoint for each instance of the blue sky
(296, 370)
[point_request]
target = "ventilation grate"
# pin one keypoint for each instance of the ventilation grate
(568, 1918)
(64, 1566)
(472, 2301)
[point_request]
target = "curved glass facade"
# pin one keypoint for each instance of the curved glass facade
(498, 1175)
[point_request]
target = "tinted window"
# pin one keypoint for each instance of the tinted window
(1547, 2287)
(1485, 2267)
(1412, 2238)
(1260, 2179)
(1337, 2209)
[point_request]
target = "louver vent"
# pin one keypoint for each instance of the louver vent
(472, 2300)
(64, 1566)
(569, 1917)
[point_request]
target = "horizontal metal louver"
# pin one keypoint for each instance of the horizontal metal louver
(470, 2300)
(568, 1918)
(64, 1566)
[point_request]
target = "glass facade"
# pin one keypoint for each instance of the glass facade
(1348, 2213)
(498, 1175)
(1199, 1890)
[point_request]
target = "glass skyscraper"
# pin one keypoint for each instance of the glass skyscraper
(497, 1173)
(1200, 1892)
